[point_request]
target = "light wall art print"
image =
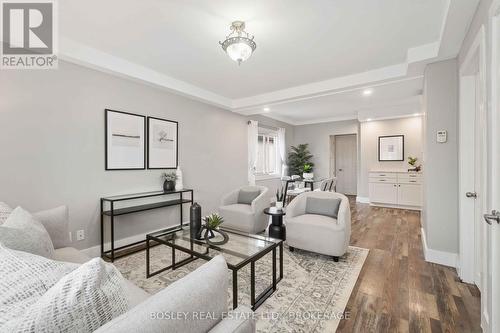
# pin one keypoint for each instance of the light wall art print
(162, 143)
(125, 135)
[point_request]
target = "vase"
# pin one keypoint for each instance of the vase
(178, 184)
(195, 221)
(168, 186)
(308, 175)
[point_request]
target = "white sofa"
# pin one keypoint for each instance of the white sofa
(248, 218)
(202, 291)
(318, 233)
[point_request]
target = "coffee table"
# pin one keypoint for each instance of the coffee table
(276, 229)
(241, 250)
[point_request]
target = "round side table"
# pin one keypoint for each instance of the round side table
(276, 229)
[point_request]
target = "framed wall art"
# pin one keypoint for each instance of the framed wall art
(162, 143)
(125, 141)
(391, 148)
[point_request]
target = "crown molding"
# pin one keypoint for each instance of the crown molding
(83, 55)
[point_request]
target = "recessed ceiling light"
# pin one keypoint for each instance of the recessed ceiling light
(369, 119)
(266, 109)
(367, 92)
(416, 114)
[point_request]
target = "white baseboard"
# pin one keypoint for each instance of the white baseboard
(362, 199)
(95, 251)
(438, 257)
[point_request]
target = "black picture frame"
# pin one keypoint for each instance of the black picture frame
(149, 145)
(107, 163)
(402, 158)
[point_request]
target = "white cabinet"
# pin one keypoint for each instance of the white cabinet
(409, 195)
(396, 189)
(383, 192)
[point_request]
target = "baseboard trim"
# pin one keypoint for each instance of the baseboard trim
(438, 257)
(95, 251)
(376, 204)
(362, 199)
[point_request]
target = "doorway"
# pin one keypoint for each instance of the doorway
(344, 162)
(473, 191)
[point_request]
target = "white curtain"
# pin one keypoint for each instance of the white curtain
(282, 151)
(253, 141)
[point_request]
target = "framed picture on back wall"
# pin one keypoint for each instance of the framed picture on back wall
(162, 143)
(125, 140)
(391, 148)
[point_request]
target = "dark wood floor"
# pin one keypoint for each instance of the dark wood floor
(398, 291)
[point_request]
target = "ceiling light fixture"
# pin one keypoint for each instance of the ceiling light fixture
(367, 92)
(238, 45)
(369, 119)
(266, 109)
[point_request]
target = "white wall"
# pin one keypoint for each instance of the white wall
(410, 127)
(52, 146)
(440, 209)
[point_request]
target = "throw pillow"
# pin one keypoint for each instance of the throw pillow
(24, 278)
(82, 301)
(5, 211)
(323, 206)
(22, 232)
(247, 195)
(56, 223)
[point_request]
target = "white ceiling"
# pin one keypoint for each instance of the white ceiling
(304, 49)
(393, 99)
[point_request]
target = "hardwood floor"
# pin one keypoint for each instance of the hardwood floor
(398, 291)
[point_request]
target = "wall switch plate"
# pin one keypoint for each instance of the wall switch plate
(441, 136)
(80, 235)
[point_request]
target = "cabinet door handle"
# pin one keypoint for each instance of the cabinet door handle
(413, 181)
(382, 180)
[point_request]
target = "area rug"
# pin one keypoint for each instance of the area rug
(311, 297)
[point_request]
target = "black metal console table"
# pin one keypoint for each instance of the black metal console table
(108, 209)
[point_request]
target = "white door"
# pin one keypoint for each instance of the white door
(492, 307)
(473, 159)
(346, 158)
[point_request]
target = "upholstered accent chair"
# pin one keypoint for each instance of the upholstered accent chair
(319, 222)
(243, 209)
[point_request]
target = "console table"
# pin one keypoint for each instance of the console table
(108, 208)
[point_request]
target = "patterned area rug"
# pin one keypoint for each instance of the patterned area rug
(311, 297)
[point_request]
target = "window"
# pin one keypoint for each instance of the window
(268, 158)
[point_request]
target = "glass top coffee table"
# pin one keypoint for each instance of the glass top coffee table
(241, 250)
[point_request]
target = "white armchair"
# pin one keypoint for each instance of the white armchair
(246, 216)
(319, 233)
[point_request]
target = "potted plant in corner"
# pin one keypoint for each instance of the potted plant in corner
(169, 183)
(308, 174)
(298, 157)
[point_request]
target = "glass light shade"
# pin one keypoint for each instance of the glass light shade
(239, 51)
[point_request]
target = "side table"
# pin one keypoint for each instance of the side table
(276, 229)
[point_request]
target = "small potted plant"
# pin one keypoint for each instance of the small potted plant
(212, 226)
(169, 183)
(308, 171)
(413, 162)
(279, 198)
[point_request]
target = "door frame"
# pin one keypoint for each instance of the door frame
(467, 231)
(494, 146)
